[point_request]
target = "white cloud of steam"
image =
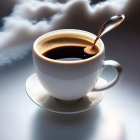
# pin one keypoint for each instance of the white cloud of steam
(30, 19)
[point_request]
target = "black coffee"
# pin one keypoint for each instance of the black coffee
(68, 53)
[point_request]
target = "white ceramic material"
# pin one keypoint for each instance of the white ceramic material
(42, 98)
(71, 80)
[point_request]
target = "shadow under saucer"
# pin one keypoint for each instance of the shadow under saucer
(53, 126)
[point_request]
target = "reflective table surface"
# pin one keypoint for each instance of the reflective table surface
(116, 117)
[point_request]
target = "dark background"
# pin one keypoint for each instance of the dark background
(115, 118)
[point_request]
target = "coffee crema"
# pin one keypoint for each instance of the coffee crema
(68, 53)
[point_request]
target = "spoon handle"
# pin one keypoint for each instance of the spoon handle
(109, 24)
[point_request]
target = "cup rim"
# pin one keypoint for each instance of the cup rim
(101, 50)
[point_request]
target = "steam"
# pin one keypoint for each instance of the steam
(30, 19)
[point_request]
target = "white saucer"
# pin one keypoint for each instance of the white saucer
(38, 94)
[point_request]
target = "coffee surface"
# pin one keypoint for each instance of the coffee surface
(68, 53)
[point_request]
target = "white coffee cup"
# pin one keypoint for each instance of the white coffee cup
(71, 80)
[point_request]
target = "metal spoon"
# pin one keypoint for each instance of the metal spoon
(108, 25)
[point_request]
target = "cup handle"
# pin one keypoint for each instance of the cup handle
(118, 67)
